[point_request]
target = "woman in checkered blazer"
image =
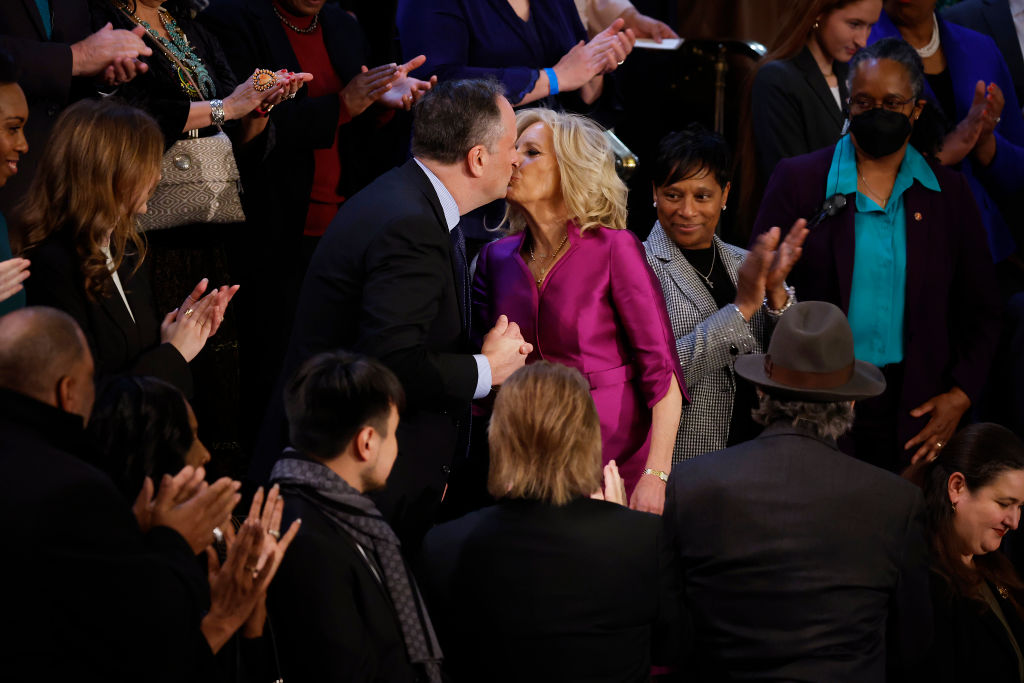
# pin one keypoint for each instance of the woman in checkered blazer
(722, 300)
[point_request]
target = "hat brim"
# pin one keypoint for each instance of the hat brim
(867, 381)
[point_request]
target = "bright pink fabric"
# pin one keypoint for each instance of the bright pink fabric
(601, 311)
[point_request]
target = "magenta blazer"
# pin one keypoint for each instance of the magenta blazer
(601, 311)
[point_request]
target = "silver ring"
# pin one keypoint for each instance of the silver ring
(622, 62)
(292, 96)
(218, 535)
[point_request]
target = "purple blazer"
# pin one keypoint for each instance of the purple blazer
(952, 313)
(601, 311)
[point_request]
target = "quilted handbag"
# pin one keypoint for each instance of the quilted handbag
(199, 184)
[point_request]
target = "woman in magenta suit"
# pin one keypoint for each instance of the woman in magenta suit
(579, 286)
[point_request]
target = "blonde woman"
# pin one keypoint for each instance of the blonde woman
(578, 284)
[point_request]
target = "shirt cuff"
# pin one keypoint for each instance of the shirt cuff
(483, 376)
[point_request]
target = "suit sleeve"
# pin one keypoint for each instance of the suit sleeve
(44, 68)
(405, 276)
(776, 117)
(483, 317)
(909, 628)
(640, 305)
(975, 308)
(440, 30)
(1006, 172)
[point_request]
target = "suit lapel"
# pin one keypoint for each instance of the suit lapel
(915, 203)
(685, 278)
(33, 12)
(113, 305)
(812, 74)
(277, 40)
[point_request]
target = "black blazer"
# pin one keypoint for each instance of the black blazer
(95, 599)
(119, 344)
(44, 66)
(333, 621)
(793, 110)
(798, 561)
(382, 283)
(527, 591)
(971, 644)
(993, 18)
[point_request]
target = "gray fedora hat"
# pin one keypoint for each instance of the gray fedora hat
(810, 358)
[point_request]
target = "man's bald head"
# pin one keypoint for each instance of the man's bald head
(44, 355)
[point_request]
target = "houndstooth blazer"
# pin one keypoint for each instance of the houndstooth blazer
(708, 339)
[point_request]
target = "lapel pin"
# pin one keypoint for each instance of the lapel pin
(917, 216)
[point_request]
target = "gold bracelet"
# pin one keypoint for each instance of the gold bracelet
(658, 473)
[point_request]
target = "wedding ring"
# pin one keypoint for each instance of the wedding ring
(189, 312)
(939, 444)
(218, 535)
(622, 62)
(263, 80)
(275, 533)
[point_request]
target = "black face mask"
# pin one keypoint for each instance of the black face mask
(880, 132)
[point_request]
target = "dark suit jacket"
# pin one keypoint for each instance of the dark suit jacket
(993, 18)
(971, 644)
(797, 560)
(95, 599)
(382, 283)
(952, 312)
(333, 621)
(119, 344)
(44, 66)
(793, 111)
(527, 591)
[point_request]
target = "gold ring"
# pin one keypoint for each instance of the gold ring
(263, 80)
(275, 533)
(189, 312)
(939, 444)
(252, 568)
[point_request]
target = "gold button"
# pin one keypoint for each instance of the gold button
(917, 215)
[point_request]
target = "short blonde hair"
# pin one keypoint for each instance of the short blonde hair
(594, 194)
(545, 436)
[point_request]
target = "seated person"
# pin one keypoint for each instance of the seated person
(801, 563)
(974, 493)
(346, 607)
(549, 584)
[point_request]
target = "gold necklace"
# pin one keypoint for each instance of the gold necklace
(874, 194)
(534, 257)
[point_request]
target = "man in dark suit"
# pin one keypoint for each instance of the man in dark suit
(800, 562)
(344, 605)
(59, 59)
(995, 19)
(97, 597)
(390, 279)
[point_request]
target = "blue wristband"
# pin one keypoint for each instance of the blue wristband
(552, 81)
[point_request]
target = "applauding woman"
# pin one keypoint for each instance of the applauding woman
(78, 219)
(576, 281)
(722, 300)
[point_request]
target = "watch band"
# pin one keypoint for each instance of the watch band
(658, 473)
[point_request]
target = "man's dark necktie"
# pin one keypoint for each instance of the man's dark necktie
(461, 273)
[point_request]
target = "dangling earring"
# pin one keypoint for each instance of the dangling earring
(954, 508)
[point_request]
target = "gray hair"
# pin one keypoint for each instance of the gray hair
(455, 116)
(828, 420)
(895, 50)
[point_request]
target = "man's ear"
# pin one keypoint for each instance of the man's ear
(366, 443)
(476, 159)
(65, 394)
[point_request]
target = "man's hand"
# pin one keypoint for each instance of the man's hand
(946, 410)
(505, 349)
(92, 56)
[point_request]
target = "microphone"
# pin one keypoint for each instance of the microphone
(832, 206)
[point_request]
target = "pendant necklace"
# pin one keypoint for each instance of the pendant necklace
(707, 278)
(534, 257)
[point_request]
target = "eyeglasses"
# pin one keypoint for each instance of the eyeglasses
(892, 103)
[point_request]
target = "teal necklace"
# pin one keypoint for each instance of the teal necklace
(179, 46)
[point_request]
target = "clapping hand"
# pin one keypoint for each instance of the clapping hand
(614, 490)
(612, 45)
(13, 272)
(368, 86)
(215, 315)
(187, 504)
(405, 90)
(291, 84)
(967, 136)
(647, 27)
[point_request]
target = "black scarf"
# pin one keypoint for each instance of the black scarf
(370, 531)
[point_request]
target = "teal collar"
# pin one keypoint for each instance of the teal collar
(842, 175)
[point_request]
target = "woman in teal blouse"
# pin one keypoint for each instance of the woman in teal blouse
(13, 114)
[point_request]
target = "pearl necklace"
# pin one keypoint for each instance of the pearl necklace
(312, 25)
(933, 45)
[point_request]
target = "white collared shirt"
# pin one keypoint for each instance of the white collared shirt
(451, 218)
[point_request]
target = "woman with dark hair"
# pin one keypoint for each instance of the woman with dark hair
(722, 301)
(906, 258)
(13, 115)
(974, 492)
(144, 427)
(79, 227)
(798, 93)
(967, 78)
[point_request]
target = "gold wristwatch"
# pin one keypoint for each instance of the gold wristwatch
(658, 473)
